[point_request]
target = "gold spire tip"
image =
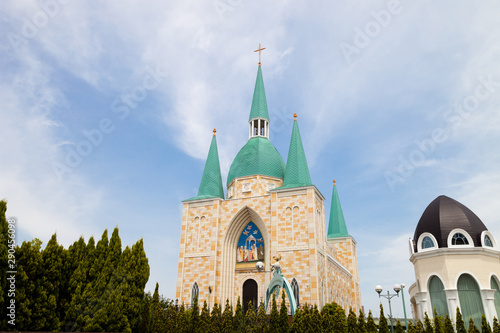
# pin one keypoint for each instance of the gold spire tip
(215, 131)
(294, 116)
(259, 50)
(334, 181)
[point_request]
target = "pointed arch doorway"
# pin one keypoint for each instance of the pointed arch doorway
(250, 292)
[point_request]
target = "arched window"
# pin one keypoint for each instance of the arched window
(487, 241)
(427, 242)
(494, 285)
(295, 289)
(471, 303)
(438, 296)
(459, 239)
(195, 292)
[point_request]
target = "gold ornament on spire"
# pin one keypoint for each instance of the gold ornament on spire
(294, 116)
(334, 181)
(215, 131)
(259, 50)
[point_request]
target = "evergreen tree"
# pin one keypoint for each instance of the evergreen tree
(182, 320)
(284, 326)
(411, 327)
(427, 324)
(227, 318)
(383, 327)
(399, 328)
(296, 321)
(157, 313)
(352, 324)
(472, 327)
(250, 319)
(361, 322)
(460, 325)
(306, 322)
(171, 319)
(274, 316)
(238, 320)
(371, 327)
(262, 326)
(315, 322)
(194, 320)
(145, 317)
(496, 325)
(438, 323)
(52, 269)
(448, 325)
(485, 326)
(339, 320)
(216, 319)
(328, 317)
(419, 328)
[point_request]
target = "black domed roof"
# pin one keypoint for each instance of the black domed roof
(445, 214)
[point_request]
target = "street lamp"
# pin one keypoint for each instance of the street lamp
(397, 289)
(404, 307)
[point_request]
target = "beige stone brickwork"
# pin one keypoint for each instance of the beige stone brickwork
(292, 224)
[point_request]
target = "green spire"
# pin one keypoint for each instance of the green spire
(336, 226)
(211, 181)
(297, 172)
(259, 104)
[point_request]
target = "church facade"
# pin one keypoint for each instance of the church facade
(272, 212)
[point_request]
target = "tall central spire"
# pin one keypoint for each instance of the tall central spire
(259, 116)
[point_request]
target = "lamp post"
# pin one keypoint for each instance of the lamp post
(397, 289)
(404, 307)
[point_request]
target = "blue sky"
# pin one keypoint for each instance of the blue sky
(107, 114)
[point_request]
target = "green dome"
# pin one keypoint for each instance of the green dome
(257, 157)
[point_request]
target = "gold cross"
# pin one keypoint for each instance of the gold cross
(259, 50)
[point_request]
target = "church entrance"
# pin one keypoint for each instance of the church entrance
(250, 292)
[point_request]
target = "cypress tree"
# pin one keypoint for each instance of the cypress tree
(205, 324)
(460, 325)
(284, 326)
(419, 328)
(438, 323)
(315, 322)
(156, 312)
(485, 326)
(339, 320)
(182, 320)
(194, 319)
(448, 325)
(227, 318)
(238, 320)
(306, 322)
(371, 327)
(171, 319)
(352, 323)
(262, 326)
(146, 316)
(216, 320)
(328, 317)
(427, 324)
(411, 327)
(383, 327)
(472, 327)
(250, 319)
(52, 257)
(496, 326)
(274, 316)
(296, 320)
(361, 322)
(399, 327)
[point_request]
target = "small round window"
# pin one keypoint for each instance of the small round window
(459, 239)
(427, 242)
(487, 241)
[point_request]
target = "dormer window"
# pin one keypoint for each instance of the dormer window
(460, 238)
(487, 240)
(426, 242)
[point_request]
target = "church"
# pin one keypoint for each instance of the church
(272, 212)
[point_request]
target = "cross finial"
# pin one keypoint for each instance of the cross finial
(215, 131)
(294, 116)
(259, 50)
